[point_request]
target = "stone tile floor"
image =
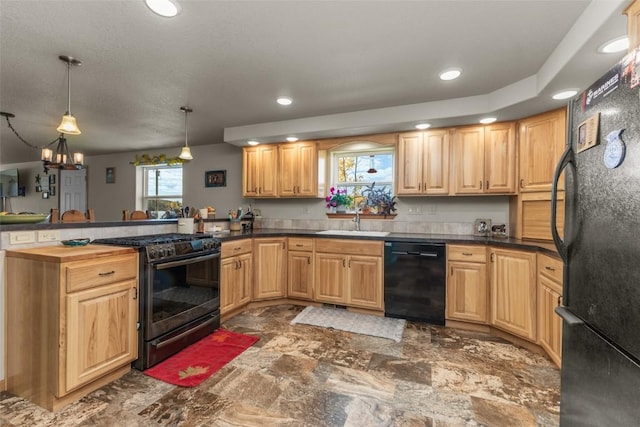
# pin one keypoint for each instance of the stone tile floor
(300, 375)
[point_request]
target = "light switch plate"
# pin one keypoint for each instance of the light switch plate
(20, 237)
(49, 236)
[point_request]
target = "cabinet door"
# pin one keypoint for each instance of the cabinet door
(101, 332)
(300, 275)
(268, 169)
(307, 170)
(288, 171)
(228, 278)
(467, 292)
(468, 160)
(270, 274)
(435, 162)
(250, 179)
(365, 282)
(542, 140)
(330, 278)
(409, 181)
(549, 323)
(500, 158)
(245, 277)
(513, 292)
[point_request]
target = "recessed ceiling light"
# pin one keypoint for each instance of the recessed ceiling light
(565, 94)
(619, 44)
(423, 126)
(253, 142)
(292, 139)
(488, 120)
(283, 100)
(166, 8)
(450, 74)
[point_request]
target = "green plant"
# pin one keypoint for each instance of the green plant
(380, 198)
(337, 198)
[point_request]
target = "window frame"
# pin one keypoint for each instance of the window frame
(145, 198)
(359, 152)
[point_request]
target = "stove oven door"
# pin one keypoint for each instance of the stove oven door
(180, 292)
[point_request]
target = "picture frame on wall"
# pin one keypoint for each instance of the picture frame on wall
(52, 179)
(52, 190)
(215, 178)
(110, 175)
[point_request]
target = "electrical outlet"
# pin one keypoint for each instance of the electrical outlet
(20, 237)
(49, 236)
(414, 211)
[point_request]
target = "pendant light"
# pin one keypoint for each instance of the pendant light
(185, 154)
(68, 124)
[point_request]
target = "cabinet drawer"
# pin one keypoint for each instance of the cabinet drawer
(550, 267)
(300, 244)
(349, 247)
(235, 247)
(100, 271)
(470, 253)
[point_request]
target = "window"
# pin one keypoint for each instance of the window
(162, 190)
(355, 170)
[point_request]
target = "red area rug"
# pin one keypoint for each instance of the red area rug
(199, 361)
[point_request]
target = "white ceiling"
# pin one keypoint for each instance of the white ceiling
(351, 67)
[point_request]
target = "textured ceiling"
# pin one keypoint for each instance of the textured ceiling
(350, 66)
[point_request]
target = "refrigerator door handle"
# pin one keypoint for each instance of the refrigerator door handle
(568, 317)
(566, 160)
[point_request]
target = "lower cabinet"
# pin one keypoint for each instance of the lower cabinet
(71, 320)
(513, 292)
(300, 265)
(349, 272)
(270, 275)
(236, 273)
(467, 285)
(549, 297)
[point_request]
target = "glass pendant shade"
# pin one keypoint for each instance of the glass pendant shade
(68, 125)
(185, 154)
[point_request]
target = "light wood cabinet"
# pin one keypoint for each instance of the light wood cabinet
(541, 143)
(423, 163)
(300, 265)
(71, 320)
(298, 170)
(467, 284)
(533, 215)
(236, 272)
(349, 272)
(549, 297)
(513, 292)
(633, 24)
(259, 171)
(270, 255)
(484, 159)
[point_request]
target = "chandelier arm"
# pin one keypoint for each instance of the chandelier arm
(35, 147)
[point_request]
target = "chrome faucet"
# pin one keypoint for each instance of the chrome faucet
(356, 219)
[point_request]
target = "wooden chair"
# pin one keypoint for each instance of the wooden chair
(72, 216)
(135, 215)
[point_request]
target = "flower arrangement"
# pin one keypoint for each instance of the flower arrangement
(337, 198)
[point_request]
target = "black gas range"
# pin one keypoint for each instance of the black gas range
(179, 291)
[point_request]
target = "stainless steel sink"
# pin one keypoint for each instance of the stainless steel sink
(353, 233)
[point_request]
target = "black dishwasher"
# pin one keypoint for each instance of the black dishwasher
(415, 281)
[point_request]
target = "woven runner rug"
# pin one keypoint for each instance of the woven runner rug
(384, 327)
(202, 359)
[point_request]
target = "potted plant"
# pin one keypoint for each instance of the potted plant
(338, 199)
(379, 199)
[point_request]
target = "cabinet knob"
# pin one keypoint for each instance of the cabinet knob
(522, 183)
(108, 273)
(549, 268)
(467, 253)
(487, 186)
(481, 184)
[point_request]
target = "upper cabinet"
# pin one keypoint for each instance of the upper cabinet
(542, 140)
(280, 170)
(423, 163)
(633, 24)
(259, 171)
(484, 159)
(298, 170)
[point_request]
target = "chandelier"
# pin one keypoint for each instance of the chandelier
(61, 158)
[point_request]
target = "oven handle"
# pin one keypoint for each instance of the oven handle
(171, 264)
(182, 335)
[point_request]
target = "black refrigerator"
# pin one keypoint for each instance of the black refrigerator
(600, 374)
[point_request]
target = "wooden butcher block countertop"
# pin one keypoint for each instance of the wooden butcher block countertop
(61, 253)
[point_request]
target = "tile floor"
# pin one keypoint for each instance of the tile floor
(300, 375)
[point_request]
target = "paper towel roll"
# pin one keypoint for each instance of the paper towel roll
(185, 225)
(203, 213)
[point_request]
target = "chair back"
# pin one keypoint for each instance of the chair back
(72, 215)
(135, 215)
